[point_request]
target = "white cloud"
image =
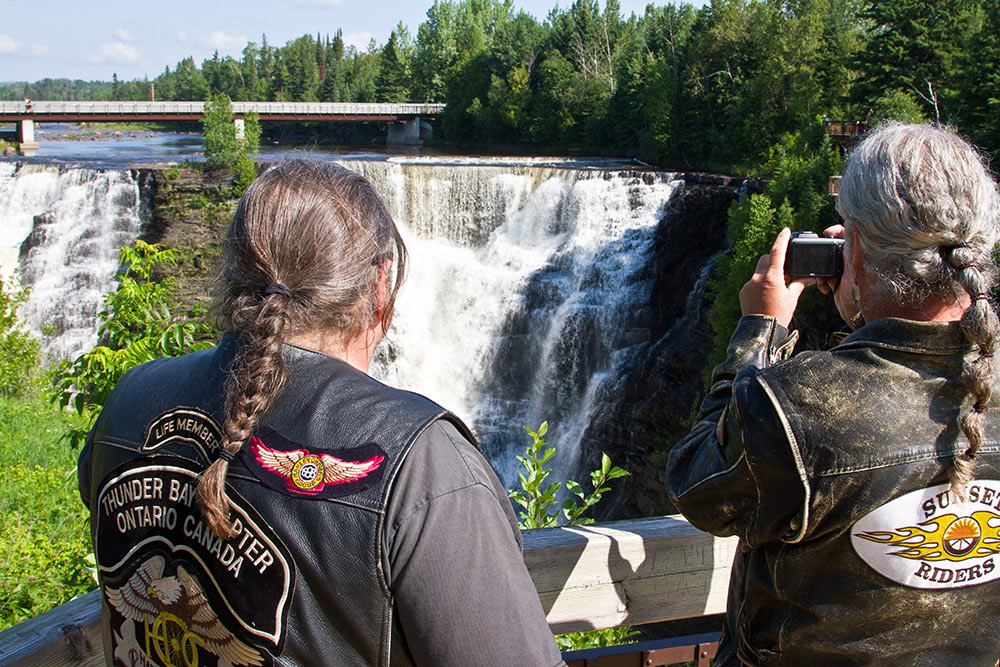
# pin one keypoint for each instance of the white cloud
(359, 40)
(223, 42)
(320, 3)
(8, 44)
(116, 53)
(39, 50)
(122, 35)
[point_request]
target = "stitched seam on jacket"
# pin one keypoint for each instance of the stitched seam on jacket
(793, 445)
(930, 456)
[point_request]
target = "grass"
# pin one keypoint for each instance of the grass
(44, 536)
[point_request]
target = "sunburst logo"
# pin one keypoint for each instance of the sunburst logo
(947, 537)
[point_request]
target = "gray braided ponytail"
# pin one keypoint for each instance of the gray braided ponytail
(926, 213)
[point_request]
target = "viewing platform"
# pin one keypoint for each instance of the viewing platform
(404, 119)
(587, 577)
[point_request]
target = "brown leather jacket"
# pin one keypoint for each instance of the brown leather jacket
(832, 471)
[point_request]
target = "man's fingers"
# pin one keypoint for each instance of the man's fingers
(762, 264)
(834, 232)
(778, 250)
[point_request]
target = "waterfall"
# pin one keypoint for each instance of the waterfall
(527, 297)
(526, 293)
(64, 227)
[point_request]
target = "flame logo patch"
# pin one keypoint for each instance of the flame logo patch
(926, 539)
(946, 537)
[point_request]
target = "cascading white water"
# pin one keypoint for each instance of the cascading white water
(67, 226)
(521, 289)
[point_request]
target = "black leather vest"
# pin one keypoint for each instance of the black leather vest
(302, 581)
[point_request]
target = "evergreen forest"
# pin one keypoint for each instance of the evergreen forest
(706, 88)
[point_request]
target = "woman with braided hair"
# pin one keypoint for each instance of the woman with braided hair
(266, 502)
(864, 481)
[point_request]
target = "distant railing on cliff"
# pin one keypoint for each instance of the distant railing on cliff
(599, 576)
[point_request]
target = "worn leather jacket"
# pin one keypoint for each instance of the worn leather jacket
(302, 581)
(832, 472)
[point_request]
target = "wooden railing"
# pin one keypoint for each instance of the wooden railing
(600, 576)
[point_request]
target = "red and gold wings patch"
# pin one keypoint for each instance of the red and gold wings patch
(310, 473)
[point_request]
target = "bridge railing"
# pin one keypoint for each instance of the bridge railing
(599, 576)
(26, 110)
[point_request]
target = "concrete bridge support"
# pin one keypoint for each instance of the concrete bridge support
(404, 134)
(240, 128)
(26, 136)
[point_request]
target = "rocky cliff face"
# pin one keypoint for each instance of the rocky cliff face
(656, 401)
(191, 210)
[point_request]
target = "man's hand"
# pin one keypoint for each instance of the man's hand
(843, 286)
(767, 293)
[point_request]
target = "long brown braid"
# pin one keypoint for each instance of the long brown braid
(306, 252)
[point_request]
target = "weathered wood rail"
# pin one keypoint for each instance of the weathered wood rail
(600, 576)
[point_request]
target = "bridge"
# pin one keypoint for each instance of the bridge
(404, 119)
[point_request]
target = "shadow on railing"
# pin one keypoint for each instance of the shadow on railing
(588, 578)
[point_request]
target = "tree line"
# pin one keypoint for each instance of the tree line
(712, 87)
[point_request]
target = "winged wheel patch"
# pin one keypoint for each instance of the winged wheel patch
(286, 466)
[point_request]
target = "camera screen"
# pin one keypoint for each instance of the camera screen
(814, 260)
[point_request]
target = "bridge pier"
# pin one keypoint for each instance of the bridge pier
(406, 133)
(240, 128)
(26, 136)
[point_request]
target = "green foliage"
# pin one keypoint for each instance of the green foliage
(18, 347)
(537, 499)
(575, 641)
(223, 148)
(796, 196)
(707, 88)
(897, 105)
(137, 325)
(43, 525)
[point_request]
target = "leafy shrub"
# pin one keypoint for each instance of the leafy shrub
(799, 168)
(137, 325)
(18, 347)
(538, 500)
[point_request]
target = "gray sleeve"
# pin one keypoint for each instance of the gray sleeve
(452, 557)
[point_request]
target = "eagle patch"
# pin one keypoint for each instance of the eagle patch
(176, 593)
(290, 468)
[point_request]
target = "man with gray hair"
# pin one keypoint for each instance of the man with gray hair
(864, 481)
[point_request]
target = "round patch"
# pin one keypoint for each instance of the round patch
(307, 472)
(961, 537)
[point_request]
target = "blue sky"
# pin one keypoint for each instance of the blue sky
(59, 38)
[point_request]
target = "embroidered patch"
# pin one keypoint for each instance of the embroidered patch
(288, 467)
(177, 593)
(927, 539)
(188, 425)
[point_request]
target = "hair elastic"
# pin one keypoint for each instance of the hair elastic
(277, 288)
(980, 296)
(226, 455)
